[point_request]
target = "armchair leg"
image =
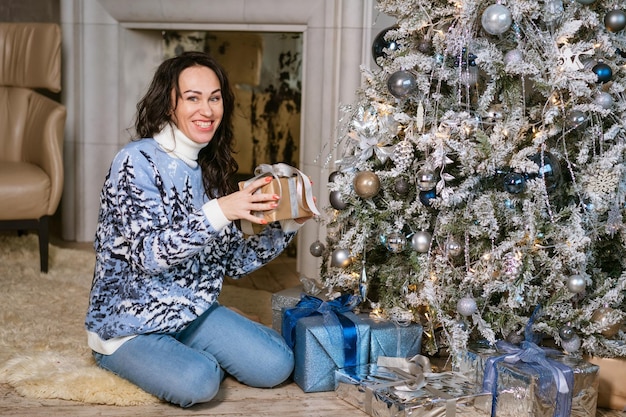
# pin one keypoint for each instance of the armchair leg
(42, 227)
(44, 238)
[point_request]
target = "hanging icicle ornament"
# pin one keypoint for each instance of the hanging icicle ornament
(363, 281)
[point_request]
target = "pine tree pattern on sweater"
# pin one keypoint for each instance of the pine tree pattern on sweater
(159, 262)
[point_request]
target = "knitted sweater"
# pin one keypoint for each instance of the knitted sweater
(162, 247)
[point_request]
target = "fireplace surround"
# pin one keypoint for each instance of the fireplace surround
(111, 48)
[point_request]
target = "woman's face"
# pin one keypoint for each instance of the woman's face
(200, 108)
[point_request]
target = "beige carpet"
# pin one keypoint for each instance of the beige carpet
(43, 351)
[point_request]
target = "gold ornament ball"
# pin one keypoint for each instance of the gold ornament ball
(601, 317)
(366, 184)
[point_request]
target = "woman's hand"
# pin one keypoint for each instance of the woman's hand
(241, 204)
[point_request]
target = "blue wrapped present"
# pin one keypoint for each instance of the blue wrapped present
(542, 382)
(325, 336)
(388, 338)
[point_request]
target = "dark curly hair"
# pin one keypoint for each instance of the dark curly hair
(153, 113)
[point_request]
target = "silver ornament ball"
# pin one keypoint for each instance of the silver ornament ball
(336, 201)
(572, 345)
(615, 20)
(576, 283)
(426, 180)
(395, 242)
(420, 242)
(453, 248)
(576, 119)
(401, 83)
(604, 100)
(466, 306)
(401, 186)
(317, 248)
(496, 19)
(567, 333)
(340, 258)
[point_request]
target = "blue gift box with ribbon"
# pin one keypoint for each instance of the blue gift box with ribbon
(325, 336)
(389, 338)
(540, 382)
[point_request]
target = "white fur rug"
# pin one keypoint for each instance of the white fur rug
(43, 350)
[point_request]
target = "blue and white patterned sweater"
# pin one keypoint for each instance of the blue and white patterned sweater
(161, 255)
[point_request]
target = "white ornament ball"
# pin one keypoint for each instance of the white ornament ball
(514, 56)
(572, 345)
(420, 242)
(604, 100)
(496, 19)
(576, 283)
(340, 258)
(466, 306)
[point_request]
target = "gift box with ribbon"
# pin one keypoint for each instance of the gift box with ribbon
(393, 339)
(325, 336)
(540, 382)
(400, 387)
(289, 297)
(294, 189)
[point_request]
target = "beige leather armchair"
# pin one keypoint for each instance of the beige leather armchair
(31, 129)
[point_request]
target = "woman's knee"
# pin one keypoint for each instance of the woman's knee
(274, 370)
(198, 383)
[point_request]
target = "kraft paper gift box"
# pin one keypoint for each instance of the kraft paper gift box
(525, 380)
(325, 336)
(388, 338)
(294, 189)
(383, 391)
(611, 386)
(289, 297)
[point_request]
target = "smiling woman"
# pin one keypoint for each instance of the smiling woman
(198, 106)
(167, 237)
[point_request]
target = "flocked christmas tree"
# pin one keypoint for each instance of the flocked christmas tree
(481, 174)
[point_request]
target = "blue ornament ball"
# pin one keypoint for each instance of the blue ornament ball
(381, 46)
(603, 71)
(427, 196)
(514, 183)
(549, 169)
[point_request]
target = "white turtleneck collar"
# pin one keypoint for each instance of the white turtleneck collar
(175, 142)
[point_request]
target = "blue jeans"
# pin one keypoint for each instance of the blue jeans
(187, 368)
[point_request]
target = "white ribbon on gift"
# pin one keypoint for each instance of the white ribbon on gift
(415, 370)
(301, 188)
